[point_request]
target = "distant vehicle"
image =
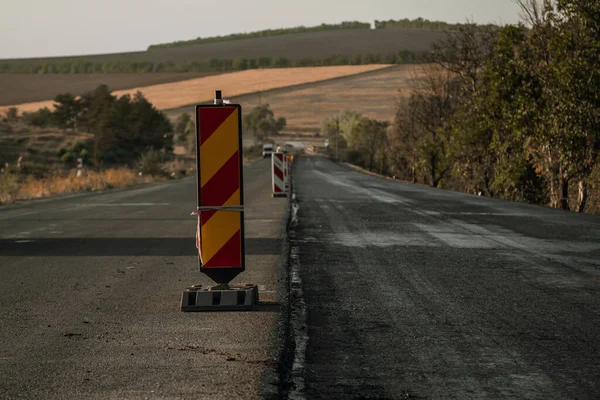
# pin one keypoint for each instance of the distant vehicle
(267, 150)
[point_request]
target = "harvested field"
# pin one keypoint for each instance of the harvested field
(26, 88)
(374, 94)
(293, 46)
(193, 91)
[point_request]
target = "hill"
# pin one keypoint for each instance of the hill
(294, 47)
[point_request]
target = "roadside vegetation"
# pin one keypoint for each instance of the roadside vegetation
(261, 123)
(14, 186)
(121, 141)
(511, 113)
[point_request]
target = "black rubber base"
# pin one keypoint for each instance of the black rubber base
(217, 298)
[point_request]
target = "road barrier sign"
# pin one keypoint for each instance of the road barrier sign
(220, 237)
(79, 167)
(278, 174)
(220, 209)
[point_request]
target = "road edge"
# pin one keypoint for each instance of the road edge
(293, 342)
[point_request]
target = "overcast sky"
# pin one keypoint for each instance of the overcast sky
(39, 28)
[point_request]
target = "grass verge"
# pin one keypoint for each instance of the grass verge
(12, 188)
(16, 186)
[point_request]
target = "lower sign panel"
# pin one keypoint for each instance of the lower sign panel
(222, 239)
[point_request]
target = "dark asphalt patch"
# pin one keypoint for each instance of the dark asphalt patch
(420, 293)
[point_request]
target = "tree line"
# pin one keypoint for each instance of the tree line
(124, 128)
(264, 33)
(212, 65)
(419, 23)
(512, 113)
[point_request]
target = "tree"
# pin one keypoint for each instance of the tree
(125, 127)
(281, 62)
(190, 136)
(404, 142)
(434, 103)
(375, 143)
(67, 111)
(264, 62)
(330, 128)
(240, 64)
(185, 130)
(262, 123)
(181, 122)
(12, 115)
(40, 118)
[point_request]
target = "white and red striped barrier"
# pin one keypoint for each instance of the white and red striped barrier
(278, 162)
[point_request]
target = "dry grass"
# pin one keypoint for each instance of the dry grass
(31, 188)
(180, 167)
(374, 94)
(192, 91)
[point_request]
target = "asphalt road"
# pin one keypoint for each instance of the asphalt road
(90, 289)
(413, 292)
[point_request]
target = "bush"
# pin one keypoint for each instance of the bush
(151, 162)
(9, 185)
(78, 147)
(12, 115)
(68, 158)
(354, 157)
(40, 118)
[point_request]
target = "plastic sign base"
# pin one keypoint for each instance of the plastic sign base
(281, 194)
(220, 298)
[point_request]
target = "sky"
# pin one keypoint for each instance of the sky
(43, 28)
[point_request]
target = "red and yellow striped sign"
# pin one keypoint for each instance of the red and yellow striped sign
(220, 185)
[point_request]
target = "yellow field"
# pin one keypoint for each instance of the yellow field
(199, 90)
(374, 95)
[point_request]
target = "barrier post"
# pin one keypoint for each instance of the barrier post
(278, 174)
(220, 209)
(287, 173)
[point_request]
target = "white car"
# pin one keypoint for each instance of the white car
(267, 150)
